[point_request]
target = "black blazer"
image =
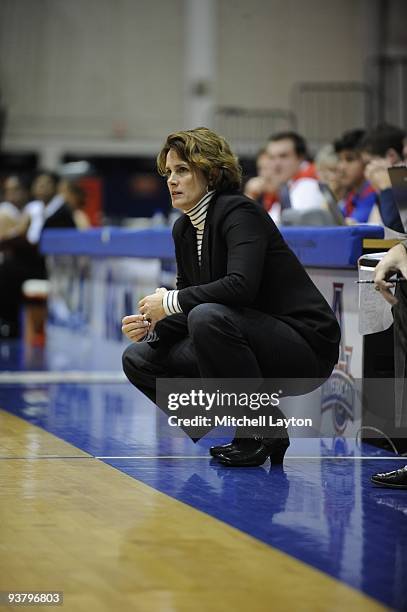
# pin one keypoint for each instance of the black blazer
(245, 262)
(62, 217)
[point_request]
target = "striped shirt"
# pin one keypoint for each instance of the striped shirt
(197, 215)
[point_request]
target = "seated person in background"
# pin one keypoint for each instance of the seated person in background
(295, 176)
(263, 187)
(381, 148)
(326, 163)
(13, 221)
(19, 258)
(56, 212)
(361, 198)
(22, 259)
(19, 211)
(9, 212)
(75, 197)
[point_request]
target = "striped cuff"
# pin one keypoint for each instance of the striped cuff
(150, 337)
(170, 302)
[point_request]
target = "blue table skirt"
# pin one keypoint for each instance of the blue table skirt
(324, 247)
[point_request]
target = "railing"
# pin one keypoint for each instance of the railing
(3, 115)
(249, 129)
(325, 110)
(388, 77)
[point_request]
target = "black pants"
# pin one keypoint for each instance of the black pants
(224, 342)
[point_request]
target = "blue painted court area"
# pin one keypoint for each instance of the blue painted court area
(319, 509)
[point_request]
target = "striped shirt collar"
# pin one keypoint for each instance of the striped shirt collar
(197, 214)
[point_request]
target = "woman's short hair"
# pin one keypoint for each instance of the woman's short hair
(207, 151)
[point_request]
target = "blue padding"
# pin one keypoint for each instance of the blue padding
(325, 247)
(109, 242)
(330, 247)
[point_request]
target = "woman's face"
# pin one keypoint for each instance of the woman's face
(187, 184)
(15, 193)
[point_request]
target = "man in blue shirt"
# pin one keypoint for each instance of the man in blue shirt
(361, 198)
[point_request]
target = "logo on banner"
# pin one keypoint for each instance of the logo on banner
(118, 302)
(338, 392)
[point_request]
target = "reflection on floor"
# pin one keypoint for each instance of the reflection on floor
(319, 508)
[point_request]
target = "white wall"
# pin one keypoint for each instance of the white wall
(81, 70)
(267, 46)
(108, 75)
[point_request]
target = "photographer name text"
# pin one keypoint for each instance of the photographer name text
(231, 421)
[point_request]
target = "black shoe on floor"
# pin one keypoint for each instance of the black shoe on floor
(275, 448)
(236, 445)
(396, 479)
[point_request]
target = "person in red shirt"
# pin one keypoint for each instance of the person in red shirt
(296, 176)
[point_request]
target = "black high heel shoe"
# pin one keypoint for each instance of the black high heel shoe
(223, 449)
(237, 444)
(275, 448)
